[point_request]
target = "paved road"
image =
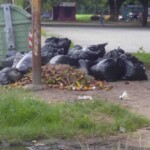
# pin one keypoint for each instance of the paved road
(129, 39)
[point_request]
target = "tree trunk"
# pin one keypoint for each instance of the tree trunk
(115, 8)
(111, 7)
(145, 12)
(118, 6)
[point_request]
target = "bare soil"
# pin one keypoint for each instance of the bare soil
(138, 102)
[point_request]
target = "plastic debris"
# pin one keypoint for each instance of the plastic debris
(17, 58)
(124, 96)
(9, 75)
(85, 98)
(122, 130)
(25, 64)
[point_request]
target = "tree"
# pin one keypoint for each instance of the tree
(5, 1)
(94, 6)
(27, 5)
(145, 12)
(114, 6)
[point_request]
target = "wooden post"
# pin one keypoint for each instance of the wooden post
(36, 52)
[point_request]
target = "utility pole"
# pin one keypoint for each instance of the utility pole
(36, 32)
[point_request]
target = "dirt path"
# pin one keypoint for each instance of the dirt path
(138, 92)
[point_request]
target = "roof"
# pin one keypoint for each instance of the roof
(68, 4)
(134, 6)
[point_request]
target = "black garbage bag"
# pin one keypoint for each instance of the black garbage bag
(11, 53)
(89, 53)
(64, 59)
(60, 43)
(84, 65)
(65, 44)
(47, 52)
(9, 75)
(12, 57)
(80, 54)
(76, 47)
(25, 64)
(52, 41)
(18, 57)
(44, 59)
(116, 53)
(83, 54)
(14, 75)
(7, 62)
(98, 47)
(135, 69)
(108, 69)
(3, 76)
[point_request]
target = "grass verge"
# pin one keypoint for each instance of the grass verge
(23, 117)
(87, 17)
(144, 57)
(46, 35)
(83, 17)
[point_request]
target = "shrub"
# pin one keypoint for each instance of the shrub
(95, 17)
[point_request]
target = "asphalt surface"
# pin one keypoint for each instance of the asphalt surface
(128, 38)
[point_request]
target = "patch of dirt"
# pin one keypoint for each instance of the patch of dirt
(138, 92)
(138, 102)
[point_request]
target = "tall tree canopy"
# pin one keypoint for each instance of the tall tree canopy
(145, 12)
(114, 6)
(94, 6)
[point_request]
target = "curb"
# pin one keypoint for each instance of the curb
(65, 24)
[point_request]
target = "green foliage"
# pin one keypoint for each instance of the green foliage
(141, 50)
(22, 117)
(19, 3)
(4, 1)
(44, 33)
(132, 2)
(84, 6)
(83, 17)
(143, 56)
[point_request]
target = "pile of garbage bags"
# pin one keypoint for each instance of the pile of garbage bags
(110, 66)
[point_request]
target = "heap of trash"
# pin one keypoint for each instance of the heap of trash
(64, 77)
(91, 63)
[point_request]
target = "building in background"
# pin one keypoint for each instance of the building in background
(66, 11)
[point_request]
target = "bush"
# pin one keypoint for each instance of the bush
(95, 17)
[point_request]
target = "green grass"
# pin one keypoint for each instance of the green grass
(83, 17)
(46, 35)
(87, 17)
(23, 117)
(142, 56)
